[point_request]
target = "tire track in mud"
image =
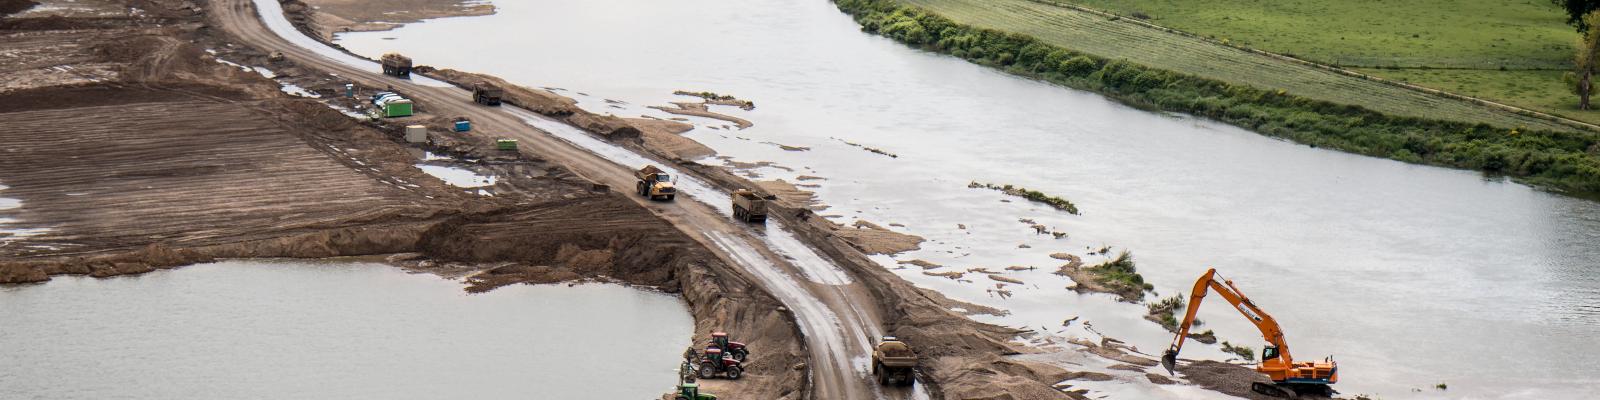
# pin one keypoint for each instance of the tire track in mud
(828, 313)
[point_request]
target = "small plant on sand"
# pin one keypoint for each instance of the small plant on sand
(1120, 275)
(1244, 353)
(1163, 312)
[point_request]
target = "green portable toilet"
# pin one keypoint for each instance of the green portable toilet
(506, 144)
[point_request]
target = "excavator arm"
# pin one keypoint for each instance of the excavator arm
(1263, 321)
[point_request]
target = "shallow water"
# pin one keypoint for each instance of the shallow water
(1408, 275)
(277, 329)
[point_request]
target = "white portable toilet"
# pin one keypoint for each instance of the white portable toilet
(416, 134)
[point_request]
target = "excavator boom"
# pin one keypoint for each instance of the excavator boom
(1275, 359)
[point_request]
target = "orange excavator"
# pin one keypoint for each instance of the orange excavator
(1289, 378)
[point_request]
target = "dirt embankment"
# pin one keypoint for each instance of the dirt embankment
(170, 158)
(382, 15)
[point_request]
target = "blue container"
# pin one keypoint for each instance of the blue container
(463, 126)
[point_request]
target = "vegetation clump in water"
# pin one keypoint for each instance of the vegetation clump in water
(1244, 353)
(1032, 195)
(1120, 276)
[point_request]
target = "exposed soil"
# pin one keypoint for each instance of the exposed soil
(381, 15)
(166, 157)
(702, 110)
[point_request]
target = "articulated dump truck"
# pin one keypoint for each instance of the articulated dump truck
(487, 94)
(893, 362)
(655, 183)
(750, 207)
(396, 65)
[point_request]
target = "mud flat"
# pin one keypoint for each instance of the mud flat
(366, 15)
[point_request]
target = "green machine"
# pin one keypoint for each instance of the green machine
(691, 391)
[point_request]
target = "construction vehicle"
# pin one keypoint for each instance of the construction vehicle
(691, 391)
(749, 207)
(1289, 378)
(719, 340)
(893, 362)
(396, 65)
(713, 364)
(486, 94)
(654, 183)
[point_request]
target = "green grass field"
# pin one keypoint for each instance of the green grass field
(1120, 39)
(1457, 46)
(1481, 34)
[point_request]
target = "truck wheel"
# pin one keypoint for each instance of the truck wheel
(735, 372)
(671, 196)
(642, 191)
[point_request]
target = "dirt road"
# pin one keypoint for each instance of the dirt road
(823, 301)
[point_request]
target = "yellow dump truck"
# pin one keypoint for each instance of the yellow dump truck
(893, 362)
(750, 207)
(655, 183)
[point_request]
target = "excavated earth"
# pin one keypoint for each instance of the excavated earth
(132, 148)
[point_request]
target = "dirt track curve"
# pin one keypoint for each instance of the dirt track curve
(836, 319)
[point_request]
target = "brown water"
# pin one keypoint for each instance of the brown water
(1408, 275)
(313, 330)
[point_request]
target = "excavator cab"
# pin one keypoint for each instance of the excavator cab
(1268, 353)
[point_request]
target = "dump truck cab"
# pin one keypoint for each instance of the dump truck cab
(655, 184)
(487, 94)
(894, 362)
(396, 65)
(691, 391)
(750, 207)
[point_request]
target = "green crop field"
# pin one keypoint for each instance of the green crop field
(1115, 38)
(1458, 46)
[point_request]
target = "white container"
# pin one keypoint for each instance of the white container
(416, 134)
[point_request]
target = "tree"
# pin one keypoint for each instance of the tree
(1582, 78)
(1576, 9)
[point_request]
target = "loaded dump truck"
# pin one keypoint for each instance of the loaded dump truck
(655, 183)
(894, 362)
(396, 65)
(486, 94)
(750, 207)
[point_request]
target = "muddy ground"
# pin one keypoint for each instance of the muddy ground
(381, 15)
(208, 160)
(132, 148)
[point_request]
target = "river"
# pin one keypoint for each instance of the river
(305, 329)
(1408, 275)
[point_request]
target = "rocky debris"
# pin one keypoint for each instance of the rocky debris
(925, 264)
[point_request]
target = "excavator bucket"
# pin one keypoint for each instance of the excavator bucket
(1170, 361)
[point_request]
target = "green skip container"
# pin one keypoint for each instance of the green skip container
(506, 144)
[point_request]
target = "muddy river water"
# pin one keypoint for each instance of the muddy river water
(302, 330)
(1409, 276)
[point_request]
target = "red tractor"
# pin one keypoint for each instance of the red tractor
(719, 340)
(714, 364)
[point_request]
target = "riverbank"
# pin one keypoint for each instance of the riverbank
(1536, 151)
